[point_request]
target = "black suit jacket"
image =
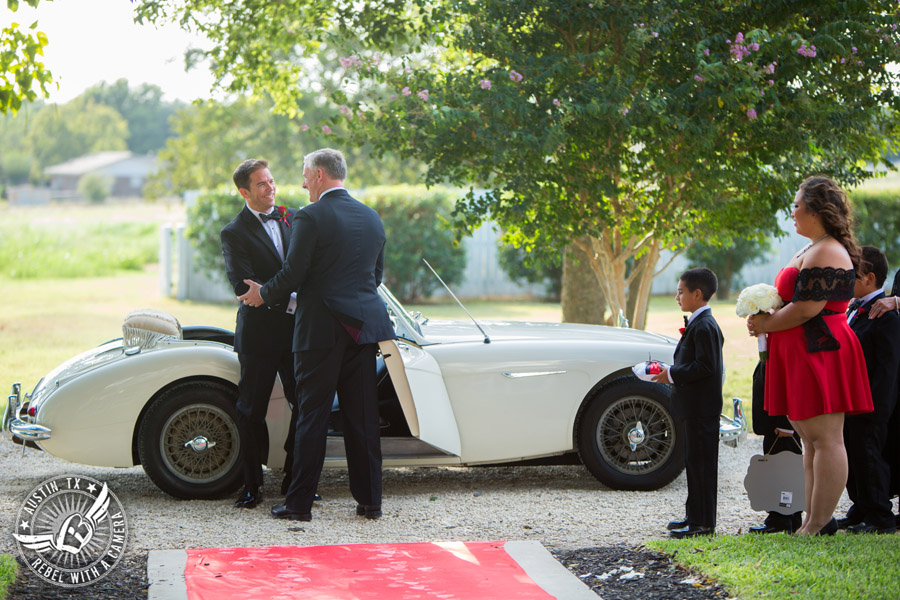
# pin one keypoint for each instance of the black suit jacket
(698, 368)
(335, 265)
(880, 342)
(250, 254)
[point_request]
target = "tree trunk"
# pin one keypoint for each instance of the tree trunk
(582, 298)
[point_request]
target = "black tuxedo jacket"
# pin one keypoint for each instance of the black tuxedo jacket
(250, 254)
(880, 341)
(698, 368)
(335, 264)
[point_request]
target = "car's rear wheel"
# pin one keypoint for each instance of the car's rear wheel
(188, 442)
(627, 437)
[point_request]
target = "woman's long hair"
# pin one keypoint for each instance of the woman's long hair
(826, 198)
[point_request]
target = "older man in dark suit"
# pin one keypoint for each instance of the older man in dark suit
(866, 435)
(254, 245)
(335, 265)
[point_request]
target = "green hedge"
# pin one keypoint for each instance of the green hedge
(415, 223)
(876, 216)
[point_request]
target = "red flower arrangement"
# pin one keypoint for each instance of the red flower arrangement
(283, 211)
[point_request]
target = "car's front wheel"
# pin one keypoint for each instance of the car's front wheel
(188, 441)
(627, 437)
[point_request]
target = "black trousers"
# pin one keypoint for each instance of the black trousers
(701, 461)
(254, 390)
(347, 368)
(869, 478)
(764, 424)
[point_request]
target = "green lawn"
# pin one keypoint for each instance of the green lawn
(781, 567)
(8, 568)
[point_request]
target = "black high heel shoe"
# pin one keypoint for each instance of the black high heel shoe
(830, 528)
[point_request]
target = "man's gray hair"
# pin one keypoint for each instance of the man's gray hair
(330, 161)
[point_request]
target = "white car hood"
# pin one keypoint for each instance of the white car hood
(440, 331)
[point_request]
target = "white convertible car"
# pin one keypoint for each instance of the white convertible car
(450, 393)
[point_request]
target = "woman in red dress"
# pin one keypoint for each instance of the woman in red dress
(816, 371)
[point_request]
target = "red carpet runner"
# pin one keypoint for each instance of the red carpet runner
(444, 570)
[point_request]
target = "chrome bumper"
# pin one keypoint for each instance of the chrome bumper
(733, 431)
(25, 431)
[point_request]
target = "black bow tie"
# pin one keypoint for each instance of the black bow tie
(854, 305)
(685, 320)
(272, 216)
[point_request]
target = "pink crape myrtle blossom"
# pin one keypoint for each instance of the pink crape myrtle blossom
(515, 76)
(556, 102)
(807, 51)
(423, 94)
(485, 84)
(326, 129)
(405, 91)
(751, 114)
(304, 127)
(345, 110)
(699, 78)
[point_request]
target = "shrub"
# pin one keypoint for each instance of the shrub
(876, 221)
(94, 187)
(416, 226)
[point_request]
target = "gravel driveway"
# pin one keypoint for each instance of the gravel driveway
(563, 507)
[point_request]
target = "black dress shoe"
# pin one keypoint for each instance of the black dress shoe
(845, 523)
(830, 528)
(692, 531)
(866, 528)
(769, 529)
(280, 511)
(677, 524)
(370, 512)
(248, 499)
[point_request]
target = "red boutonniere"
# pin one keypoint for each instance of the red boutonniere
(861, 310)
(283, 211)
(681, 330)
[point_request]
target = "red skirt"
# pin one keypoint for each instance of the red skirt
(803, 384)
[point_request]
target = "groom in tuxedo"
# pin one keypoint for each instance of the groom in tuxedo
(865, 435)
(254, 245)
(335, 264)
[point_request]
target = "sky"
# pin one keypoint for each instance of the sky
(90, 41)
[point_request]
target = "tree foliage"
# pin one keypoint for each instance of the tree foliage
(727, 260)
(210, 138)
(22, 75)
(61, 132)
(625, 128)
(544, 267)
(142, 107)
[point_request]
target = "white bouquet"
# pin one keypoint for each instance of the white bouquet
(755, 299)
(647, 370)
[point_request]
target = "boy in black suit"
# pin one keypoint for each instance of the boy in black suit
(697, 400)
(865, 435)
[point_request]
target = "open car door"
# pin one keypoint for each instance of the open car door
(423, 396)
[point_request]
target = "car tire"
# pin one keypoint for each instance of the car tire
(188, 442)
(627, 438)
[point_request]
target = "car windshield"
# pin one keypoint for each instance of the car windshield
(405, 324)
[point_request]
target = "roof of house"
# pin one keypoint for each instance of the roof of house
(87, 163)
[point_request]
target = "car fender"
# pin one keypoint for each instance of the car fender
(104, 405)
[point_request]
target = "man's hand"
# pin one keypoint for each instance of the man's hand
(661, 377)
(252, 297)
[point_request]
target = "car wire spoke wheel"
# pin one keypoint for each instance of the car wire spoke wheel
(188, 440)
(199, 443)
(634, 434)
(626, 436)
